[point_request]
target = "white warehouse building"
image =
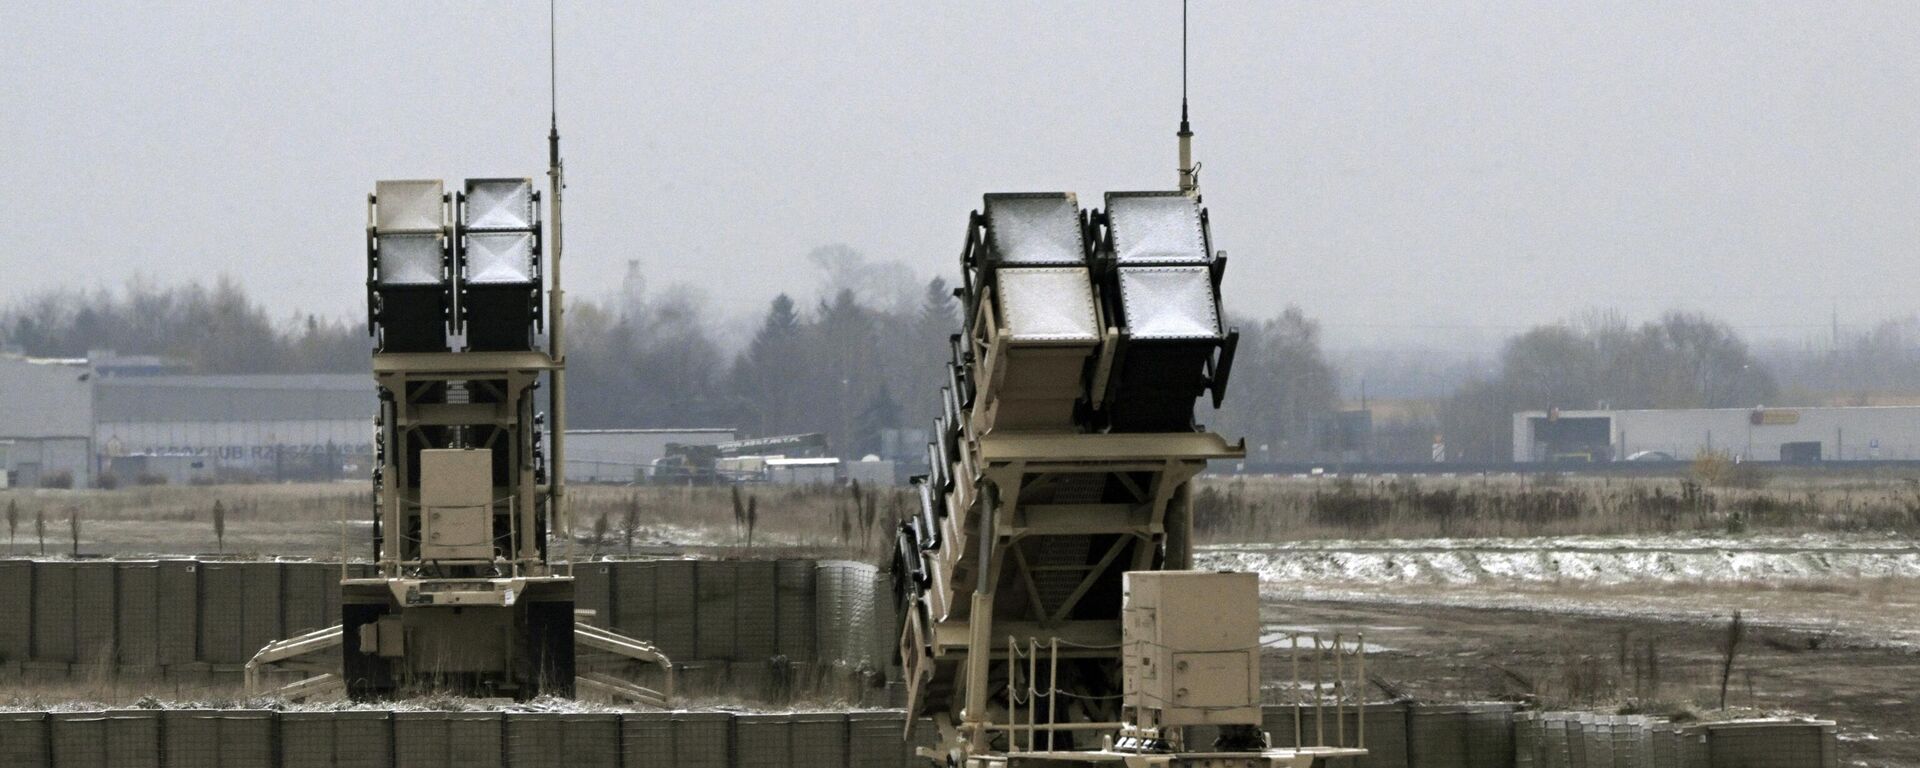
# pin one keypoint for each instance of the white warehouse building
(1867, 433)
(46, 421)
(72, 422)
(265, 427)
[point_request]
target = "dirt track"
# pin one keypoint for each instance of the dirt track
(1455, 653)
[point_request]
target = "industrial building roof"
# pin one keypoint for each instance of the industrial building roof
(1822, 408)
(272, 397)
(654, 431)
(357, 382)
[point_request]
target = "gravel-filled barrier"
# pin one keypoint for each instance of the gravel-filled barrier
(203, 619)
(239, 738)
(1399, 736)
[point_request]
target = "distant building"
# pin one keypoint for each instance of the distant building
(46, 419)
(68, 421)
(817, 471)
(136, 417)
(872, 472)
(1749, 434)
(266, 427)
(109, 363)
(625, 455)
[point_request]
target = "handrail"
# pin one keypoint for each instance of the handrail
(1026, 691)
(288, 650)
(613, 687)
(613, 642)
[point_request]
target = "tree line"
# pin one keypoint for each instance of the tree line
(210, 328)
(1682, 360)
(863, 358)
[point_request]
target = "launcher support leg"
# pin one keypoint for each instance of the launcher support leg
(979, 659)
(1179, 526)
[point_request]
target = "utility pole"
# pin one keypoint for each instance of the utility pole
(1836, 326)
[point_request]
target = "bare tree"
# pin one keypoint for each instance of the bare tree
(1284, 387)
(753, 518)
(740, 514)
(601, 525)
(1681, 361)
(886, 285)
(13, 523)
(648, 363)
(40, 528)
(844, 368)
(220, 525)
(73, 527)
(1736, 631)
(630, 523)
(869, 516)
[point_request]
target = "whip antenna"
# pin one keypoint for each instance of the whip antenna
(561, 513)
(1189, 173)
(553, 67)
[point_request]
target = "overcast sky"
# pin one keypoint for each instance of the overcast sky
(1406, 172)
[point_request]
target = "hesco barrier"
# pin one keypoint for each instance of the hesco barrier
(1396, 734)
(195, 618)
(1581, 740)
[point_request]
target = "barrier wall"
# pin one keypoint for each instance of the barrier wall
(1772, 745)
(1398, 735)
(1580, 739)
(192, 618)
(1497, 736)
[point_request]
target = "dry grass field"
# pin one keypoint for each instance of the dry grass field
(306, 520)
(1273, 509)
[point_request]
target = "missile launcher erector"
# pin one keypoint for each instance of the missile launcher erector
(466, 593)
(1049, 614)
(1060, 474)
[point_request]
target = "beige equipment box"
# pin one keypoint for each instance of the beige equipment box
(456, 504)
(1192, 641)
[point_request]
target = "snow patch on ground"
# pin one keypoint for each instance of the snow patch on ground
(1780, 581)
(1593, 561)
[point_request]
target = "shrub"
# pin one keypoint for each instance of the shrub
(1710, 467)
(1347, 507)
(57, 479)
(1719, 469)
(1776, 511)
(1747, 475)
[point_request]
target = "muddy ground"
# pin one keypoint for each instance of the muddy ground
(1449, 653)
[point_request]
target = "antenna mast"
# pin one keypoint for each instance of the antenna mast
(556, 179)
(1189, 178)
